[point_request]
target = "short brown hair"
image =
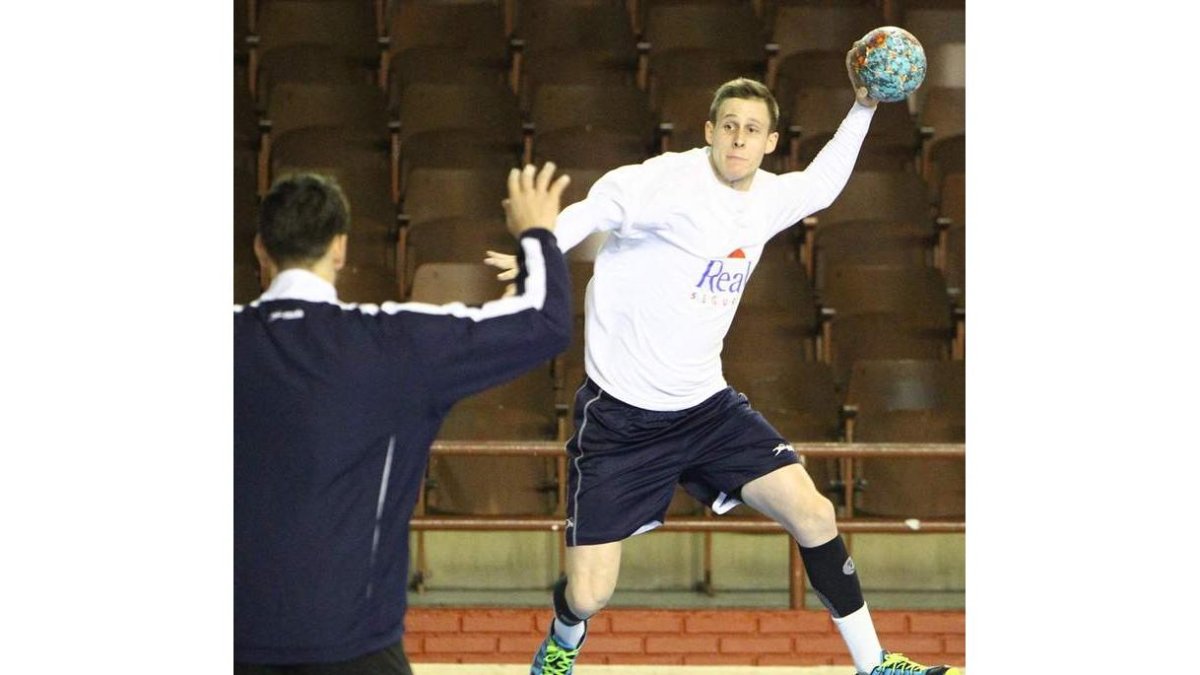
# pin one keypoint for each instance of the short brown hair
(744, 87)
(300, 216)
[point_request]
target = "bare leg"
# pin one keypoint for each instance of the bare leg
(592, 576)
(789, 497)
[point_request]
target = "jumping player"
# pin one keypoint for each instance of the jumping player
(685, 233)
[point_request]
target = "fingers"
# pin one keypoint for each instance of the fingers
(514, 185)
(527, 176)
(543, 176)
(556, 190)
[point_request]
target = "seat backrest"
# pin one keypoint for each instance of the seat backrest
(444, 65)
(884, 335)
(732, 28)
(799, 398)
(944, 109)
(595, 148)
(883, 195)
(469, 283)
(454, 240)
(359, 108)
(345, 25)
(547, 25)
(621, 108)
(428, 106)
(835, 28)
(908, 384)
(915, 292)
(431, 193)
(471, 27)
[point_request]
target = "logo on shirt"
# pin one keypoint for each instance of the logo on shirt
(286, 314)
(722, 280)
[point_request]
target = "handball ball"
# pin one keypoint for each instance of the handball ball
(890, 63)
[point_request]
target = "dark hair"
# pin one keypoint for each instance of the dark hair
(300, 216)
(744, 87)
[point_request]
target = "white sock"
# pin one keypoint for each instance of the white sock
(569, 636)
(859, 634)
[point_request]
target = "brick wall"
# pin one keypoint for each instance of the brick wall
(734, 637)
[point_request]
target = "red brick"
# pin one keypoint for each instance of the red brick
(794, 622)
(615, 644)
(642, 659)
(426, 621)
(520, 643)
(890, 622)
(721, 622)
(756, 645)
(646, 622)
(437, 658)
(597, 624)
(956, 644)
(910, 644)
(719, 660)
(497, 622)
(412, 644)
(820, 644)
(681, 644)
(460, 643)
(923, 622)
(803, 660)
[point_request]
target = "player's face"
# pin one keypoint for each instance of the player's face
(739, 139)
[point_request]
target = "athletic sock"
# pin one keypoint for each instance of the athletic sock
(858, 632)
(568, 636)
(835, 581)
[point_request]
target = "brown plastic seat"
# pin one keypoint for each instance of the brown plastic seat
(685, 108)
(439, 283)
(943, 124)
(935, 22)
(476, 27)
(571, 66)
(884, 335)
(432, 193)
(519, 410)
(900, 198)
(357, 107)
(618, 108)
(599, 29)
(814, 113)
(442, 65)
(800, 27)
(596, 148)
(732, 28)
(370, 284)
(346, 26)
(452, 240)
(437, 115)
(956, 264)
(909, 401)
(872, 242)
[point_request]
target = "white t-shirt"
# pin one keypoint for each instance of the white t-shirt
(681, 247)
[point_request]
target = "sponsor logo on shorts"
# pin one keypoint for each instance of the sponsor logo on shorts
(570, 523)
(848, 568)
(783, 447)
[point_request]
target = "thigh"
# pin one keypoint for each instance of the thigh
(738, 446)
(623, 467)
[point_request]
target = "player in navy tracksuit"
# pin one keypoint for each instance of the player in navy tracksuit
(335, 407)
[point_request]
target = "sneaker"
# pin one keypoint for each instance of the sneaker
(899, 664)
(553, 658)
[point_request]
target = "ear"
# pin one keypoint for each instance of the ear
(266, 266)
(708, 132)
(772, 141)
(337, 251)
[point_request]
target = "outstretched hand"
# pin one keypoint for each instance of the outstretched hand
(533, 201)
(860, 90)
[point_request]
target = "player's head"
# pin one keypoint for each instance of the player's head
(303, 222)
(741, 128)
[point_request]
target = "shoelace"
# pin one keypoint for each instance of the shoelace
(904, 666)
(558, 662)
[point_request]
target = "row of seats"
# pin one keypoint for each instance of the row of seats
(905, 401)
(423, 148)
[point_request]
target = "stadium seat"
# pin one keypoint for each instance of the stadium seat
(909, 401)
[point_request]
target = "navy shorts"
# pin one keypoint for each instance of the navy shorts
(625, 461)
